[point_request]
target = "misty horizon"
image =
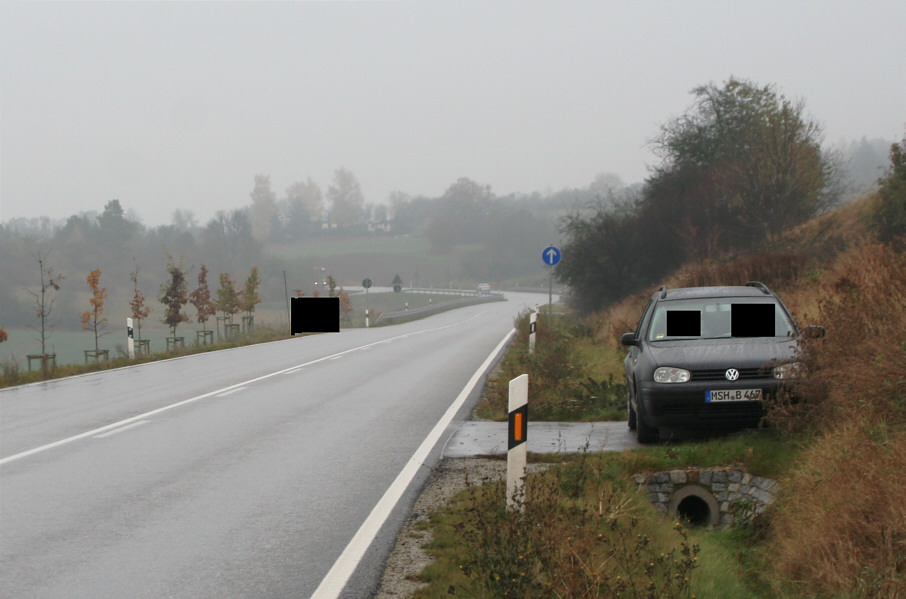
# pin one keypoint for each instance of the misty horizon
(178, 106)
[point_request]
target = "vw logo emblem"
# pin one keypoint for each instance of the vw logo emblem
(732, 374)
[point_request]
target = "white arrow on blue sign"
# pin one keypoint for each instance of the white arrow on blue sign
(551, 255)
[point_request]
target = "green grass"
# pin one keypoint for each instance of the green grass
(570, 374)
(580, 490)
(14, 371)
(69, 345)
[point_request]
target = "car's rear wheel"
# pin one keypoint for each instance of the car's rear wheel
(645, 433)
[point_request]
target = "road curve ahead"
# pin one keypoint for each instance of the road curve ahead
(240, 473)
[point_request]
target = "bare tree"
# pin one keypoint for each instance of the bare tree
(139, 310)
(44, 301)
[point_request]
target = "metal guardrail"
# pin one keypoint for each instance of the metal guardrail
(460, 292)
(403, 315)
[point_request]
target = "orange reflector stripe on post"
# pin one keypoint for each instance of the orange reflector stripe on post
(517, 427)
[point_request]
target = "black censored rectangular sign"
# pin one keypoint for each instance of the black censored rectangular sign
(314, 315)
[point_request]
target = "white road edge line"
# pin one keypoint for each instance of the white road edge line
(335, 580)
(103, 429)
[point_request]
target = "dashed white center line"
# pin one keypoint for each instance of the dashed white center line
(121, 429)
(122, 424)
(231, 391)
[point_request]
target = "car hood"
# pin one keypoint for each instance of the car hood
(723, 353)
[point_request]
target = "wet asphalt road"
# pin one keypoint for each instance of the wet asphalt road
(241, 473)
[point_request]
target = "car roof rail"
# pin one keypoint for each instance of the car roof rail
(759, 285)
(663, 291)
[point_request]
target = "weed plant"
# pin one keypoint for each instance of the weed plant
(562, 386)
(586, 541)
(585, 531)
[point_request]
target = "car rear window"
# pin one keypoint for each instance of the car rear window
(718, 318)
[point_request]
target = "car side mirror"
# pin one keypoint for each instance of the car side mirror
(813, 332)
(629, 339)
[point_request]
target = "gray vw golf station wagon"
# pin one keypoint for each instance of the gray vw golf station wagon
(707, 357)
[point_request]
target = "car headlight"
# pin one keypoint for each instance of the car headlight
(788, 371)
(668, 374)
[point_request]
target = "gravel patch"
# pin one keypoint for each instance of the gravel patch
(408, 559)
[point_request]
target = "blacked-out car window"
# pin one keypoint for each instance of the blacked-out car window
(716, 319)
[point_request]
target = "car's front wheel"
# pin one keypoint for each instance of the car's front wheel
(645, 433)
(631, 418)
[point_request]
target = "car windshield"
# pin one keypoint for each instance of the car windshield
(712, 318)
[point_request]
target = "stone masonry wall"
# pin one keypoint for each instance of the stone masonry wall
(739, 495)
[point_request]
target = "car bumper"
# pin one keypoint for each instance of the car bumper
(683, 405)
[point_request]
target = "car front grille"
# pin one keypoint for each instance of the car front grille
(721, 374)
(724, 411)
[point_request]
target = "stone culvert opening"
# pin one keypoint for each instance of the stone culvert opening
(696, 505)
(714, 497)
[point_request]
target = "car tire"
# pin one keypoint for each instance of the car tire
(631, 418)
(644, 433)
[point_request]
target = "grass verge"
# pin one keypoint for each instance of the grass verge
(11, 374)
(585, 531)
(571, 374)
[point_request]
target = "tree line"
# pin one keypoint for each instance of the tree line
(740, 167)
(174, 295)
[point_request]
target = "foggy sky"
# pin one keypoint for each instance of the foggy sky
(173, 105)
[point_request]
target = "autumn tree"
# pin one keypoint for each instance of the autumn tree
(249, 297)
(137, 304)
(93, 319)
(174, 295)
(3, 336)
(345, 305)
(227, 298)
(331, 286)
(201, 298)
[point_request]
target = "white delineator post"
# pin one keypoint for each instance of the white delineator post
(533, 325)
(130, 342)
(516, 447)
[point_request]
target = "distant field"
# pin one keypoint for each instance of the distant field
(69, 345)
(351, 259)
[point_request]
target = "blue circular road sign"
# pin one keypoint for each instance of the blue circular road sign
(551, 255)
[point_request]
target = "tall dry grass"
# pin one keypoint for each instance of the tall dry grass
(839, 528)
(859, 368)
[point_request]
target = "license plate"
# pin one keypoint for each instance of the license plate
(733, 395)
